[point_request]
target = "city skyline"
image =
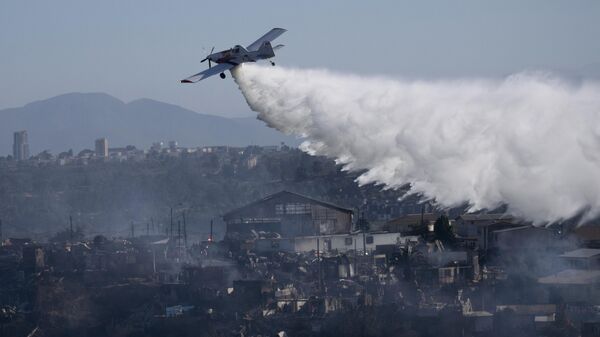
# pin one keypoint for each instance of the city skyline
(75, 120)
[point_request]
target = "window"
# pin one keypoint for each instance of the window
(326, 226)
(297, 208)
(348, 241)
(292, 208)
(320, 212)
(279, 209)
(327, 244)
(369, 240)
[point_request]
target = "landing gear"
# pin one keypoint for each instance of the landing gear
(222, 75)
(272, 63)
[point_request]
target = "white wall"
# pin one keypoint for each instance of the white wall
(341, 243)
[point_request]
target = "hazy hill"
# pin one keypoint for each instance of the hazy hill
(75, 120)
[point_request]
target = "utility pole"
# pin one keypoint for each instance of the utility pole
(210, 238)
(355, 248)
(0, 232)
(148, 229)
(171, 236)
(178, 239)
(184, 231)
(71, 228)
(179, 233)
(362, 225)
(319, 262)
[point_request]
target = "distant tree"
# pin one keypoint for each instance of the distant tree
(362, 223)
(443, 230)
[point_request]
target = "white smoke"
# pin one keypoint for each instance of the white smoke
(530, 141)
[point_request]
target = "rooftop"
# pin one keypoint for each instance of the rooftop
(515, 229)
(572, 276)
(410, 219)
(582, 253)
(485, 217)
(529, 309)
(284, 193)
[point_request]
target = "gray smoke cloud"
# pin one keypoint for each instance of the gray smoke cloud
(530, 141)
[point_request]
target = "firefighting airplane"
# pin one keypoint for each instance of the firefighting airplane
(227, 59)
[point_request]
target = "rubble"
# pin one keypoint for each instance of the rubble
(426, 282)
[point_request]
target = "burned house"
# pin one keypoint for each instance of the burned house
(289, 215)
(411, 223)
(582, 258)
(481, 226)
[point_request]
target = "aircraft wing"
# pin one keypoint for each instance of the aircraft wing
(219, 68)
(270, 36)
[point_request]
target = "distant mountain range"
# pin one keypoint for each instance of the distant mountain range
(75, 120)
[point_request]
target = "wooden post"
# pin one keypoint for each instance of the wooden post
(71, 228)
(184, 231)
(171, 236)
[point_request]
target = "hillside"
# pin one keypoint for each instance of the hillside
(75, 120)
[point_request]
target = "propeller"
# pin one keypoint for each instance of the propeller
(206, 58)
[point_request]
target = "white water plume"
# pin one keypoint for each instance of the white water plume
(530, 141)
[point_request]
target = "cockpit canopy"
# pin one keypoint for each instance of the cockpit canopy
(237, 49)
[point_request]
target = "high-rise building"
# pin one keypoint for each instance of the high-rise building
(21, 146)
(102, 147)
(157, 146)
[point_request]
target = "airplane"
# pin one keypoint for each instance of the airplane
(260, 49)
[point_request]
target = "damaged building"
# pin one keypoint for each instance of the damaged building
(289, 215)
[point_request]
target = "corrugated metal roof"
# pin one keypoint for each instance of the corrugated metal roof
(279, 194)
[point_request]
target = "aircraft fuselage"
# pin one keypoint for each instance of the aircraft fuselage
(239, 54)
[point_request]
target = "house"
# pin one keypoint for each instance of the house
(574, 285)
(290, 215)
(410, 223)
(529, 317)
(522, 238)
(589, 234)
(583, 258)
(526, 249)
(341, 243)
(481, 226)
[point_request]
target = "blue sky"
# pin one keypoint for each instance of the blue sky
(133, 49)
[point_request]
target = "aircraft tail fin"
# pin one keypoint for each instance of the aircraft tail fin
(266, 50)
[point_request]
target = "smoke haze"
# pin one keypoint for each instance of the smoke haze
(530, 141)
